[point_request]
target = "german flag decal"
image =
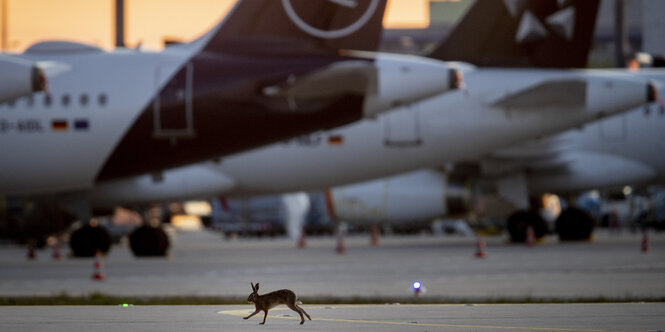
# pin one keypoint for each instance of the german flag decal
(335, 140)
(59, 125)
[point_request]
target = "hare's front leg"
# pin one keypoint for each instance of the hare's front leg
(264, 317)
(252, 314)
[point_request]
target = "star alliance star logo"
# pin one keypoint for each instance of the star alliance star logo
(337, 33)
(530, 28)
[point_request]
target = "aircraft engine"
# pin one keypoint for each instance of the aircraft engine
(415, 196)
(19, 78)
(400, 83)
(605, 94)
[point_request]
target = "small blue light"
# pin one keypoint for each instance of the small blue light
(416, 285)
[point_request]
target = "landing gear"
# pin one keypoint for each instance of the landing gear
(149, 241)
(575, 225)
(89, 239)
(519, 222)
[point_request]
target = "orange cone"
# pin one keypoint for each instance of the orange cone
(56, 252)
(340, 249)
(374, 241)
(645, 242)
(31, 251)
(480, 248)
(302, 241)
(530, 237)
(98, 273)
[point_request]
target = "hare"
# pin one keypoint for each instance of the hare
(273, 299)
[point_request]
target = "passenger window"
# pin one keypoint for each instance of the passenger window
(102, 99)
(65, 100)
(47, 100)
(84, 100)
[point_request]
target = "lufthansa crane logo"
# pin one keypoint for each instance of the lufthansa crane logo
(337, 33)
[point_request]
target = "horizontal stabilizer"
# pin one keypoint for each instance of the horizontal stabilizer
(355, 77)
(565, 93)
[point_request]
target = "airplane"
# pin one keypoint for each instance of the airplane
(269, 71)
(264, 74)
(19, 78)
(608, 153)
(529, 103)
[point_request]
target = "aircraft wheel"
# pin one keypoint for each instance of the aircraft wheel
(87, 240)
(575, 224)
(148, 241)
(519, 222)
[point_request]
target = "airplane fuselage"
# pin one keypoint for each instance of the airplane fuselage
(434, 132)
(123, 114)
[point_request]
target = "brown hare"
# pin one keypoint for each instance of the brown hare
(273, 299)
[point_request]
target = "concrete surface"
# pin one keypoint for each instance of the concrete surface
(530, 317)
(205, 264)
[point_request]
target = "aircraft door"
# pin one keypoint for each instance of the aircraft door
(173, 111)
(402, 127)
(613, 129)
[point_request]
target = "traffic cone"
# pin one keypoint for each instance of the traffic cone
(98, 273)
(31, 251)
(530, 237)
(480, 247)
(56, 252)
(340, 249)
(302, 242)
(645, 242)
(374, 241)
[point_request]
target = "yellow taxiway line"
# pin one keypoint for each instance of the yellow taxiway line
(244, 312)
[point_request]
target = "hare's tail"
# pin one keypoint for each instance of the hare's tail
(298, 302)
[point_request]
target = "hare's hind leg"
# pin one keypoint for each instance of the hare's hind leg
(297, 309)
(304, 312)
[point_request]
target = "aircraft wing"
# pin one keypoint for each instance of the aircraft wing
(189, 182)
(357, 77)
(560, 93)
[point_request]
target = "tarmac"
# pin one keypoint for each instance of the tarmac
(611, 268)
(530, 317)
(205, 264)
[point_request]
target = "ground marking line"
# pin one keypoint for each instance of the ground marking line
(243, 312)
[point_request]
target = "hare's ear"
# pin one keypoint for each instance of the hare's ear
(257, 287)
(253, 289)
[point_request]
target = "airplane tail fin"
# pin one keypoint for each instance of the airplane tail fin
(287, 26)
(523, 33)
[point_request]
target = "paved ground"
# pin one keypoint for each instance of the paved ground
(532, 317)
(204, 264)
